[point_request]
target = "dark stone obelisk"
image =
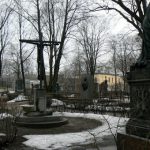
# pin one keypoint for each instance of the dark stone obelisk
(138, 126)
(139, 81)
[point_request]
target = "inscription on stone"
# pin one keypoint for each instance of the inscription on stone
(140, 102)
(42, 104)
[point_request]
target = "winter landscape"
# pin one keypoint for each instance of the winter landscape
(74, 75)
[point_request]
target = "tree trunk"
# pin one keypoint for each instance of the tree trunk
(40, 49)
(0, 65)
(21, 58)
(57, 62)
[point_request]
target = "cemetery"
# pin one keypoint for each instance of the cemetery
(74, 75)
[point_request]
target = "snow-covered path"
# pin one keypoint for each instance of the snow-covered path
(64, 141)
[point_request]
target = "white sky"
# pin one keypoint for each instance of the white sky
(117, 25)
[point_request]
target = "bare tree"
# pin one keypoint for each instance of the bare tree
(5, 12)
(13, 61)
(125, 52)
(132, 11)
(61, 18)
(3, 44)
(78, 64)
(92, 39)
(113, 46)
(20, 22)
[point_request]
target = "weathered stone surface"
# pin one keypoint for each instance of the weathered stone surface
(40, 99)
(140, 98)
(138, 127)
(41, 121)
(139, 81)
(130, 142)
(139, 73)
(86, 87)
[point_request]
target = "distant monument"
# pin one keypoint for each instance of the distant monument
(104, 89)
(19, 85)
(138, 127)
(86, 87)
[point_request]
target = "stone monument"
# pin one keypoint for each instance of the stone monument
(138, 127)
(86, 87)
(40, 100)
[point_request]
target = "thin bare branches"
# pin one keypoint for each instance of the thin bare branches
(132, 11)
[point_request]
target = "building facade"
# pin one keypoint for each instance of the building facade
(111, 80)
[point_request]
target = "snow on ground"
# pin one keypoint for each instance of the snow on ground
(56, 102)
(18, 99)
(62, 141)
(4, 115)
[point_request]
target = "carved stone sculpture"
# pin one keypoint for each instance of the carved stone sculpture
(145, 55)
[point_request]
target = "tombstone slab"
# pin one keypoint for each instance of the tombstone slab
(40, 100)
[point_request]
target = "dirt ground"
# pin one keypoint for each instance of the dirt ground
(74, 125)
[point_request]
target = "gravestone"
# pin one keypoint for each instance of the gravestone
(40, 100)
(138, 126)
(19, 85)
(86, 87)
(103, 89)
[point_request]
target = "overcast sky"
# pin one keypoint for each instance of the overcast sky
(117, 25)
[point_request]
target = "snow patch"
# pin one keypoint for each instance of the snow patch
(19, 98)
(62, 141)
(4, 115)
(56, 102)
(2, 134)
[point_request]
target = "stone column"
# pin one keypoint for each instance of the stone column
(138, 126)
(139, 81)
(137, 136)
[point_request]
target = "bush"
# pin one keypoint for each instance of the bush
(8, 128)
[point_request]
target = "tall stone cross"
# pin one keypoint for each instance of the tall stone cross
(40, 61)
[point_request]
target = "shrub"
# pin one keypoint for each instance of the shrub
(8, 128)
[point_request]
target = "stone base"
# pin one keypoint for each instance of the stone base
(138, 127)
(130, 142)
(41, 121)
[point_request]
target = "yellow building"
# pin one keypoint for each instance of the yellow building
(110, 78)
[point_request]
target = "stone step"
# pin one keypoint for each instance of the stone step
(45, 122)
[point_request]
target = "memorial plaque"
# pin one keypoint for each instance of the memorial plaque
(42, 103)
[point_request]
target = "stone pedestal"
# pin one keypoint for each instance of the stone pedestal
(139, 81)
(131, 142)
(86, 87)
(138, 127)
(137, 135)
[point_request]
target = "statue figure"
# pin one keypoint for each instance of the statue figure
(85, 84)
(145, 55)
